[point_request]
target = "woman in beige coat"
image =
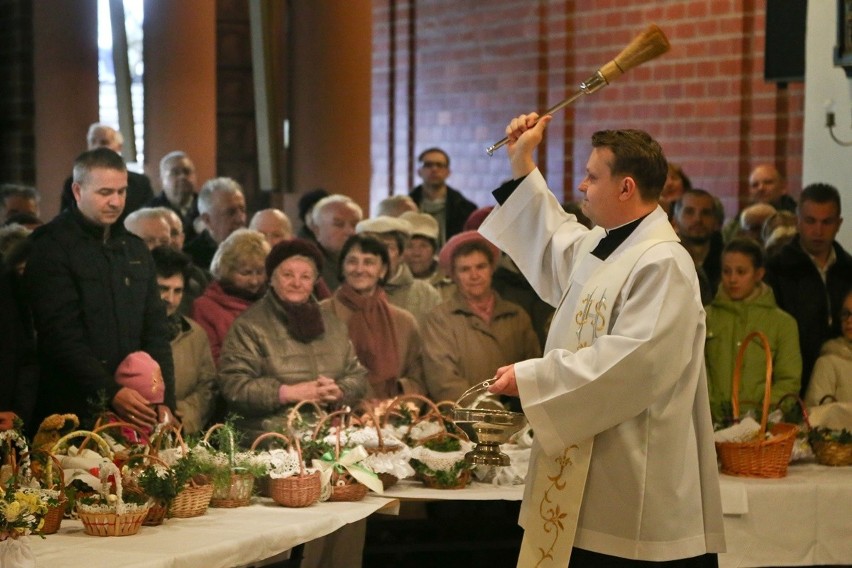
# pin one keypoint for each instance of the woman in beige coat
(286, 348)
(466, 338)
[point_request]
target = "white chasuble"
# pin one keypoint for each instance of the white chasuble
(556, 491)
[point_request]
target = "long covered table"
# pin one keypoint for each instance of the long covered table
(804, 519)
(800, 520)
(222, 538)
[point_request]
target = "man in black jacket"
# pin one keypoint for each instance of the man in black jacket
(811, 274)
(447, 205)
(139, 190)
(94, 298)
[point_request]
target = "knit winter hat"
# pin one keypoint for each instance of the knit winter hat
(292, 247)
(141, 373)
(445, 258)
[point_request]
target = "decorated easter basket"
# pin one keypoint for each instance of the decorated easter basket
(344, 487)
(759, 457)
(56, 511)
(23, 507)
(299, 489)
(107, 514)
(831, 446)
(438, 450)
(193, 499)
(388, 457)
(238, 492)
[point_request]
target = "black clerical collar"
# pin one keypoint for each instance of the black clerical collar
(614, 237)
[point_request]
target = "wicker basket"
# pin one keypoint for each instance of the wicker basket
(110, 524)
(55, 513)
(829, 452)
(347, 489)
(239, 490)
(343, 486)
(462, 481)
(388, 479)
(98, 523)
(434, 414)
(157, 509)
(192, 501)
(300, 490)
(759, 457)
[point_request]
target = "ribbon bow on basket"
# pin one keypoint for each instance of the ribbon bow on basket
(342, 470)
(387, 455)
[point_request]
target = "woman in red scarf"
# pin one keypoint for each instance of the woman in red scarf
(386, 338)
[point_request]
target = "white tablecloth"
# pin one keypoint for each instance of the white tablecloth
(803, 519)
(407, 490)
(220, 539)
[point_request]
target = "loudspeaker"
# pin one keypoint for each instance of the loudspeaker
(784, 60)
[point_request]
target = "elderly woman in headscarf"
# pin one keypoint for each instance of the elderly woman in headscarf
(386, 338)
(467, 337)
(286, 348)
(239, 280)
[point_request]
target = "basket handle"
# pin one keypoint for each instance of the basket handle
(49, 467)
(295, 411)
(801, 405)
(735, 391)
(110, 425)
(156, 441)
(368, 411)
(828, 397)
(101, 443)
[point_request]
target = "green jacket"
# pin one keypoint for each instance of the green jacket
(728, 323)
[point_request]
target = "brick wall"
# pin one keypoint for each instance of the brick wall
(17, 143)
(473, 65)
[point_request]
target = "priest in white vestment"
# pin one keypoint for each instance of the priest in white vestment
(624, 467)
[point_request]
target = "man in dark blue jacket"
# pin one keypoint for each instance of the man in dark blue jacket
(94, 298)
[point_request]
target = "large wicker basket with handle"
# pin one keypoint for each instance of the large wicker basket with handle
(759, 457)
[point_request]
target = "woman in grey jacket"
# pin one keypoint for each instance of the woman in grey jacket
(286, 348)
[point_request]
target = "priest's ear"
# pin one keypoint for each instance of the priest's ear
(628, 189)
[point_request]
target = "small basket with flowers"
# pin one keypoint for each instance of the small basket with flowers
(23, 505)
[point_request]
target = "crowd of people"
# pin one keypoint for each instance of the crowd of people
(246, 315)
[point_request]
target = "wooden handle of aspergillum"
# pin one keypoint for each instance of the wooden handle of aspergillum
(646, 46)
